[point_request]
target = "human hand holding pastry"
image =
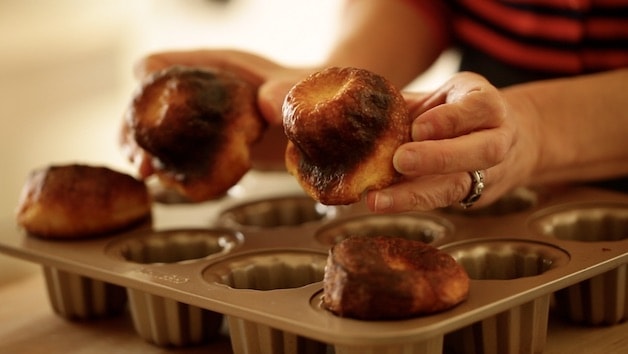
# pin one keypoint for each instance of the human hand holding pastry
(469, 138)
(531, 134)
(273, 79)
(268, 80)
(343, 127)
(460, 131)
(464, 126)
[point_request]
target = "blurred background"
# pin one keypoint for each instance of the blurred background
(66, 70)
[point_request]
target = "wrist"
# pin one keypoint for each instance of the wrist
(533, 155)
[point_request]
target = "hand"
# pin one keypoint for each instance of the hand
(465, 125)
(273, 80)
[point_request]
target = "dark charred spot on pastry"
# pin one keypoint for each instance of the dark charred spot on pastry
(361, 120)
(380, 277)
(381, 303)
(195, 109)
(74, 183)
(342, 122)
(321, 178)
(195, 126)
(364, 258)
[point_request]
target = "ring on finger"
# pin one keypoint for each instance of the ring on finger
(475, 192)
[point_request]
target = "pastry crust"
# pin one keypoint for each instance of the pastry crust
(343, 126)
(73, 201)
(381, 277)
(193, 128)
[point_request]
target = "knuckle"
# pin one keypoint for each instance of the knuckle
(441, 160)
(459, 189)
(420, 202)
(430, 200)
(497, 147)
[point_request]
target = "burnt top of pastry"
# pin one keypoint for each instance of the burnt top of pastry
(181, 116)
(383, 277)
(75, 200)
(343, 126)
(390, 255)
(77, 185)
(336, 111)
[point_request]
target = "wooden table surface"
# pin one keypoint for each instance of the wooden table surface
(28, 325)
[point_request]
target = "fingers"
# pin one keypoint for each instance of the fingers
(437, 172)
(421, 194)
(137, 156)
(467, 108)
(463, 126)
(476, 151)
(273, 92)
(270, 99)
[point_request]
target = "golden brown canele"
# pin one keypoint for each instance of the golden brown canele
(343, 127)
(373, 278)
(196, 127)
(73, 201)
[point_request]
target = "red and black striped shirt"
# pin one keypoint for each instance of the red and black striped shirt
(560, 37)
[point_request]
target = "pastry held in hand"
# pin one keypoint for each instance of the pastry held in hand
(73, 201)
(374, 278)
(343, 127)
(193, 128)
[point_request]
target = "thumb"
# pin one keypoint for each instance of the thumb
(270, 99)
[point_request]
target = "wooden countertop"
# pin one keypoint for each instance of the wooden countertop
(28, 325)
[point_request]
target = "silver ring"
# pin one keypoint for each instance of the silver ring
(477, 186)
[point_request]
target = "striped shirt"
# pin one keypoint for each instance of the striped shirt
(558, 37)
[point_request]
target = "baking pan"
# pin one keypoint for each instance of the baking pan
(254, 264)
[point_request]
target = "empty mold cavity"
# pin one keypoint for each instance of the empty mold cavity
(521, 329)
(74, 296)
(431, 345)
(167, 322)
(506, 259)
(252, 337)
(414, 226)
(602, 299)
(170, 246)
(275, 212)
(269, 270)
(588, 222)
(163, 321)
(517, 201)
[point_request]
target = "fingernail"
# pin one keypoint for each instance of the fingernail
(421, 131)
(383, 201)
(404, 161)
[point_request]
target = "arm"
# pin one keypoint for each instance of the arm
(397, 39)
(563, 130)
(583, 126)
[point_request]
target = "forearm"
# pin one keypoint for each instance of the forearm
(391, 38)
(582, 126)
